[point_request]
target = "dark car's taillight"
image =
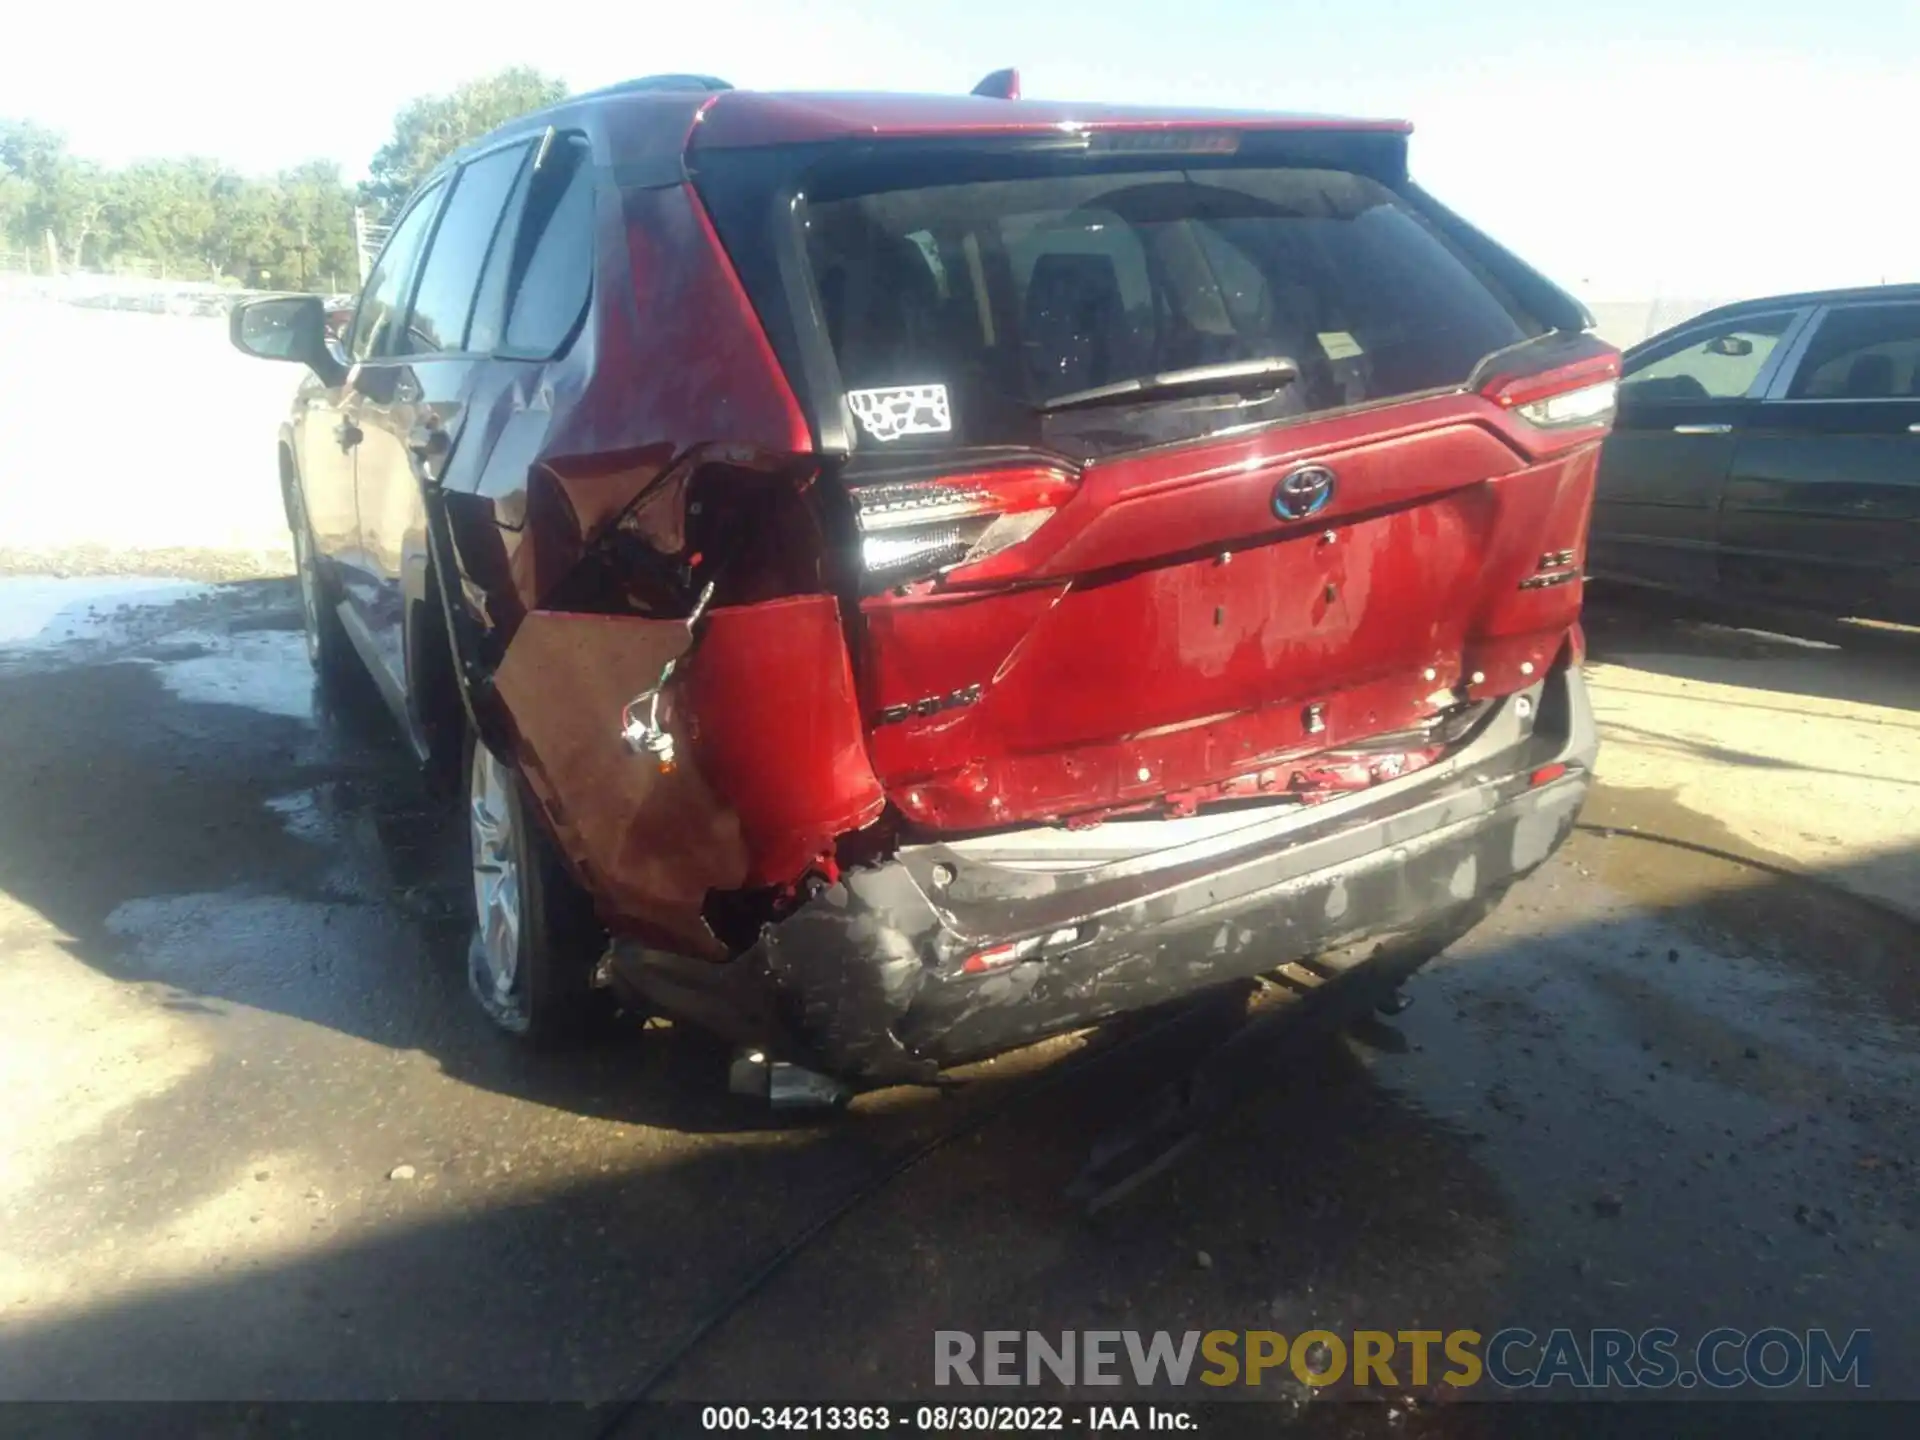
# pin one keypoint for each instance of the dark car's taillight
(915, 529)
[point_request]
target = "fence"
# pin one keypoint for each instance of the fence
(368, 237)
(117, 290)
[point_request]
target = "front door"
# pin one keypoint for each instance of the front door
(1683, 403)
(1822, 506)
(325, 466)
(371, 340)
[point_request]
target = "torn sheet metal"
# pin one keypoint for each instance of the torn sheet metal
(764, 765)
(563, 683)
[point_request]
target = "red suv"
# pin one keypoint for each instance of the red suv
(905, 576)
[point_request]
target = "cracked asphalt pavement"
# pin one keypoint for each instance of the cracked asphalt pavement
(257, 1142)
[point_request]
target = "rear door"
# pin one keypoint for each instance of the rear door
(1683, 402)
(408, 400)
(1822, 508)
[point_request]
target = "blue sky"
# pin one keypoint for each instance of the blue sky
(1700, 148)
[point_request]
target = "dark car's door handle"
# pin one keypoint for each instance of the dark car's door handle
(348, 434)
(1720, 428)
(1914, 429)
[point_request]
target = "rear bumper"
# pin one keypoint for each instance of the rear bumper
(869, 979)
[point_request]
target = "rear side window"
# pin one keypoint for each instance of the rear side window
(551, 276)
(444, 298)
(1862, 352)
(1010, 294)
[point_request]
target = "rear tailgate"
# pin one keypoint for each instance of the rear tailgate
(1071, 602)
(1170, 635)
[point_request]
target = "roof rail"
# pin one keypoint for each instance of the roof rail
(1000, 85)
(660, 82)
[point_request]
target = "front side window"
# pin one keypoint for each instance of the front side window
(443, 300)
(384, 298)
(1016, 295)
(1720, 364)
(1862, 352)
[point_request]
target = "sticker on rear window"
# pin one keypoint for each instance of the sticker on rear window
(898, 410)
(1339, 345)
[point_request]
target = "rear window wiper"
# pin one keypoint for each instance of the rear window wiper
(1266, 372)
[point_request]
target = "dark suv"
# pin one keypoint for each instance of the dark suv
(904, 576)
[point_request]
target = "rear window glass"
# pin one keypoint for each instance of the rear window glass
(959, 312)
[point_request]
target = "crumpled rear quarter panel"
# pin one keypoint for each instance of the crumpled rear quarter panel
(770, 761)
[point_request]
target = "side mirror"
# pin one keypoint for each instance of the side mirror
(286, 327)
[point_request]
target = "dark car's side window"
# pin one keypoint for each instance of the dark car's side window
(385, 297)
(1862, 352)
(1717, 364)
(443, 301)
(552, 272)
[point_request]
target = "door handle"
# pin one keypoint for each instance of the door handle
(1914, 429)
(1719, 429)
(348, 434)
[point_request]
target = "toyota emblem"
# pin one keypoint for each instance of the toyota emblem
(1304, 492)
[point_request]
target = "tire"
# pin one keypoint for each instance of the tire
(536, 941)
(329, 650)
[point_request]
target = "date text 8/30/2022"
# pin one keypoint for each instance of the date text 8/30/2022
(943, 1419)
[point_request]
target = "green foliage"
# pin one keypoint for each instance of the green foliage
(188, 219)
(429, 129)
(196, 219)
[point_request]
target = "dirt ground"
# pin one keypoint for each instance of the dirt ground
(1802, 740)
(258, 1143)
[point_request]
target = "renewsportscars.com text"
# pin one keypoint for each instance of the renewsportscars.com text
(1509, 1359)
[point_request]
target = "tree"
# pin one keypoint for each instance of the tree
(432, 127)
(196, 219)
(54, 198)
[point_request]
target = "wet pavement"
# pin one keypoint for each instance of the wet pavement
(258, 1142)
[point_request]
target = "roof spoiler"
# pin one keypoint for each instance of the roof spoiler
(1000, 85)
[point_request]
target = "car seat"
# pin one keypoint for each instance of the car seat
(1075, 323)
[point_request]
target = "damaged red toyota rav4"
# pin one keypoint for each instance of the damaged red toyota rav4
(900, 577)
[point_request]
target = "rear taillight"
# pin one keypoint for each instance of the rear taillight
(915, 529)
(1589, 405)
(1564, 388)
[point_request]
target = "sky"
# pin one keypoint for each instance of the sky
(1631, 149)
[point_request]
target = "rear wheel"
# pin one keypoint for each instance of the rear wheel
(535, 940)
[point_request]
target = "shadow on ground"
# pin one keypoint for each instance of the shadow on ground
(1767, 651)
(1656, 1087)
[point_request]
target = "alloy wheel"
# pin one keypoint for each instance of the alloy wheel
(498, 891)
